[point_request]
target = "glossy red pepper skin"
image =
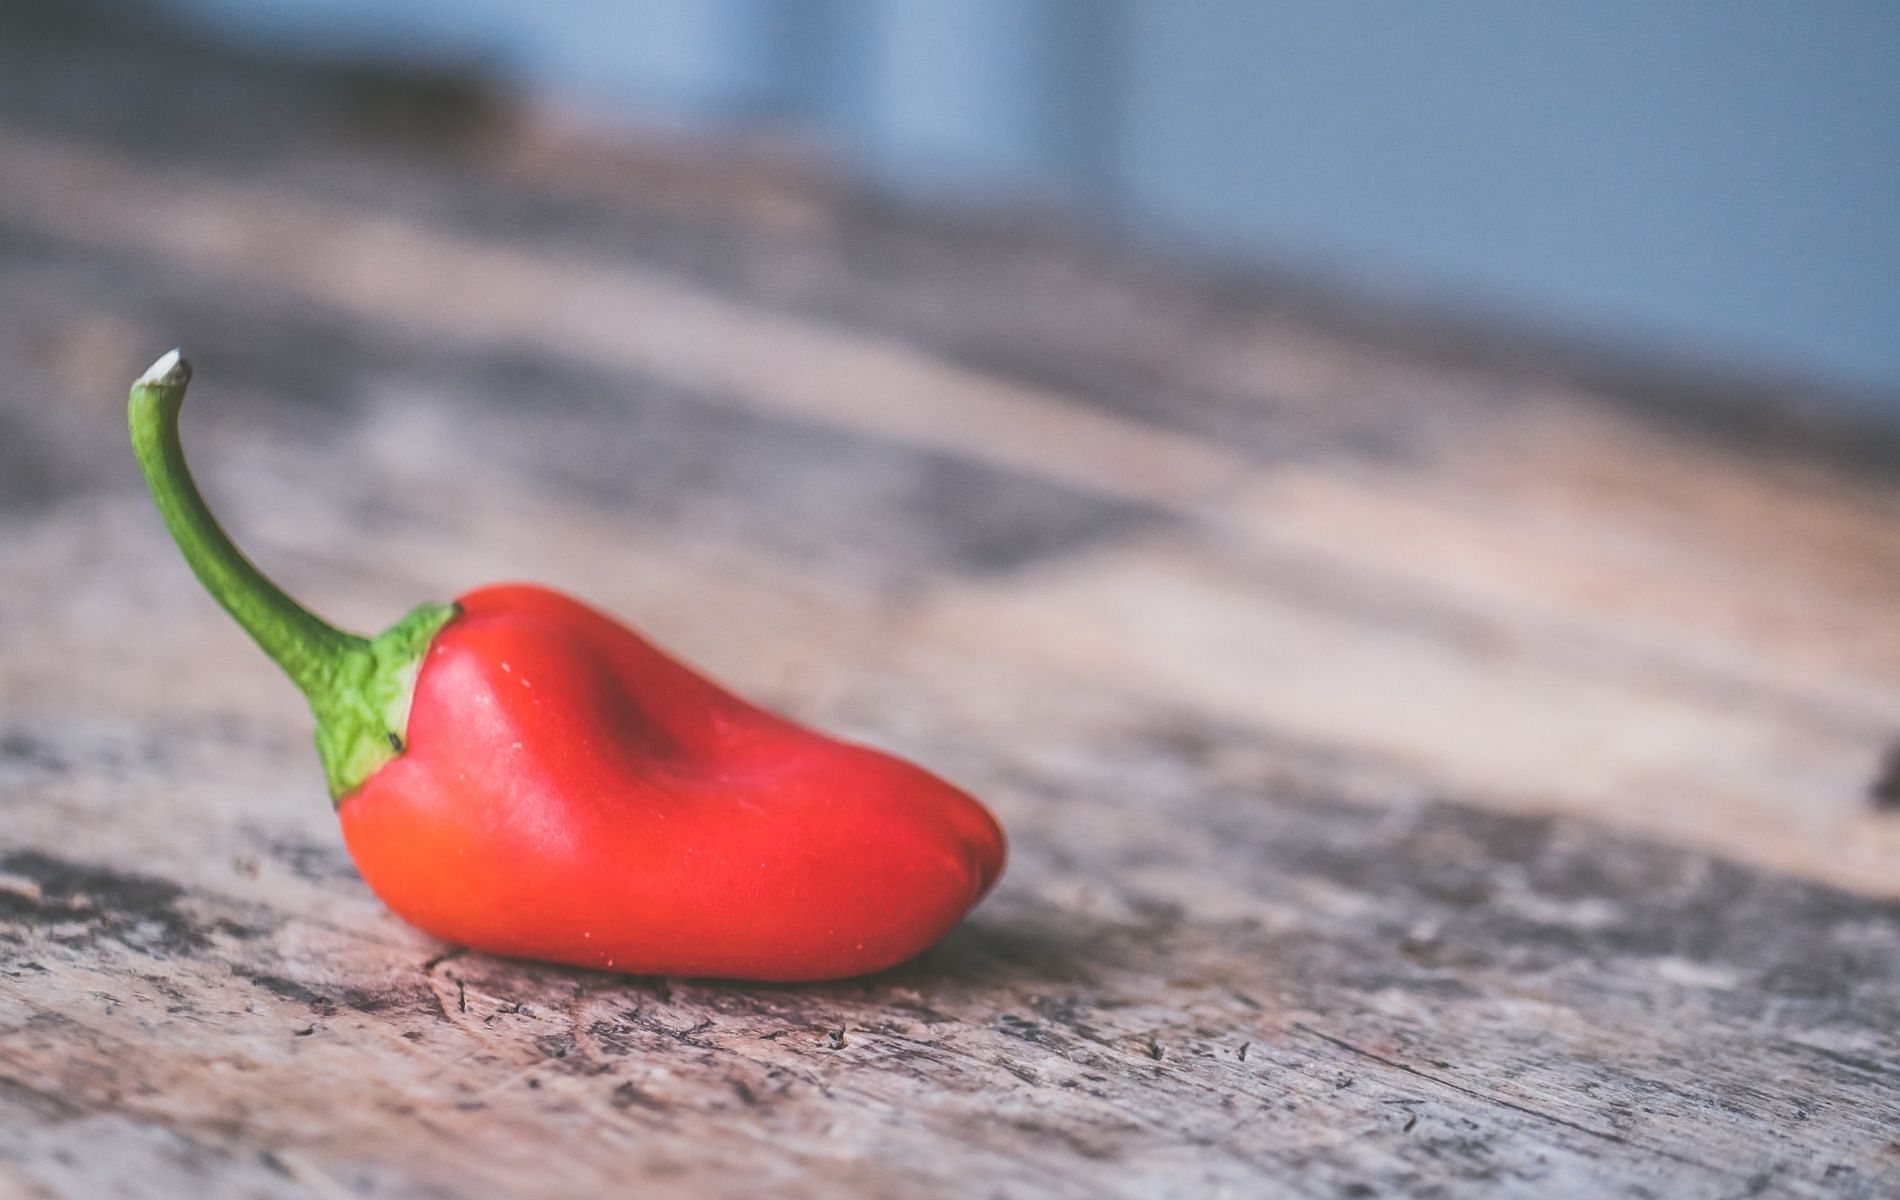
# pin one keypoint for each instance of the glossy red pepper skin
(570, 793)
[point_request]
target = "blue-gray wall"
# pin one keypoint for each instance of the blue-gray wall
(1718, 179)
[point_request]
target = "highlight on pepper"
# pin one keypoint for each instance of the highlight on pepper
(520, 773)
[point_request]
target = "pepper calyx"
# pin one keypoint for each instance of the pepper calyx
(363, 715)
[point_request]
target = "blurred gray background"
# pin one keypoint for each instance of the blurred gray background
(1715, 183)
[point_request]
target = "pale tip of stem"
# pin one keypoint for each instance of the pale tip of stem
(171, 370)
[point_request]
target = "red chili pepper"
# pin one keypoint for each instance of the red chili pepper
(519, 773)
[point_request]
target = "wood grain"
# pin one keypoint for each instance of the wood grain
(1426, 775)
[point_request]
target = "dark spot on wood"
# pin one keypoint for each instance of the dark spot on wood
(1885, 792)
(78, 905)
(328, 999)
(621, 1037)
(421, 108)
(43, 1104)
(629, 1096)
(306, 1031)
(449, 955)
(289, 989)
(314, 862)
(1113, 378)
(1154, 1049)
(610, 1038)
(1029, 1031)
(1103, 1146)
(24, 748)
(1021, 1071)
(922, 1012)
(461, 996)
(1411, 1123)
(1068, 1013)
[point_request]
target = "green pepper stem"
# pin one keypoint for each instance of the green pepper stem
(358, 688)
(308, 648)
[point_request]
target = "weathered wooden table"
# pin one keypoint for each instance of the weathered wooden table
(1428, 774)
